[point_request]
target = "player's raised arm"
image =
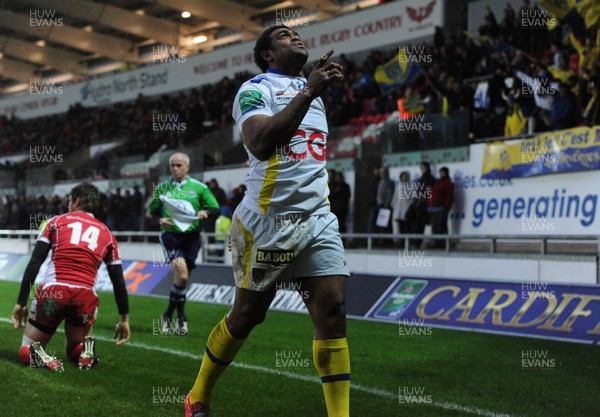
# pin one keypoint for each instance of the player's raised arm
(262, 134)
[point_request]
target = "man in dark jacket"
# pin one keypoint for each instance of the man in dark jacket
(423, 187)
(440, 203)
(565, 113)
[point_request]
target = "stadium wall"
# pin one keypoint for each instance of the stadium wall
(550, 269)
(416, 303)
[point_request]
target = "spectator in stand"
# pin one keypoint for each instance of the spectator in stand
(424, 186)
(516, 121)
(102, 166)
(138, 203)
(490, 27)
(591, 113)
(114, 210)
(238, 196)
(373, 209)
(221, 197)
(565, 113)
(440, 203)
(331, 180)
(385, 197)
(339, 198)
(560, 70)
(3, 216)
(130, 214)
(218, 192)
(405, 205)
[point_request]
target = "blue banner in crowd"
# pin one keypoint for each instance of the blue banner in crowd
(576, 149)
(536, 309)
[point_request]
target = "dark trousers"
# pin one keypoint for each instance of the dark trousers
(439, 226)
(419, 227)
(405, 227)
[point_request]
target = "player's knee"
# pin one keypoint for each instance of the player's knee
(179, 265)
(336, 312)
(332, 316)
(242, 322)
(24, 355)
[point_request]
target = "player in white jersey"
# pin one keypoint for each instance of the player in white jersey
(283, 229)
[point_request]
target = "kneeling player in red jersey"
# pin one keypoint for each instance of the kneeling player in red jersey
(79, 243)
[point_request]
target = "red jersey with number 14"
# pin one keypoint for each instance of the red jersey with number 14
(80, 243)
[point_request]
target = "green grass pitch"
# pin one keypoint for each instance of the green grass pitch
(444, 373)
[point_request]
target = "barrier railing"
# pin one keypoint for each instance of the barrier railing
(451, 241)
(214, 250)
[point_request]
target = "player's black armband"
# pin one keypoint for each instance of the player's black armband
(115, 272)
(38, 257)
(213, 211)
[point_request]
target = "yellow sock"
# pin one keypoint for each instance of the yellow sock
(332, 361)
(221, 348)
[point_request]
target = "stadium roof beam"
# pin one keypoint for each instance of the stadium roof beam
(326, 8)
(46, 56)
(229, 13)
(17, 70)
(109, 46)
(145, 26)
(283, 5)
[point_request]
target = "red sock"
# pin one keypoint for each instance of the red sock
(24, 355)
(76, 352)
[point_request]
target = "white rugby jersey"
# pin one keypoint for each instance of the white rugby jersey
(293, 179)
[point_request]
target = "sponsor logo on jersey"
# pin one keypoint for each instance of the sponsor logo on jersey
(250, 100)
(274, 257)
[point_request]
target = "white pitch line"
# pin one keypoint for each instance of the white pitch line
(357, 387)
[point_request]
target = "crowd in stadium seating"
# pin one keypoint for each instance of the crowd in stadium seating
(507, 47)
(25, 213)
(203, 110)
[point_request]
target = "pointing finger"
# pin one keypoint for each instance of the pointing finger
(324, 58)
